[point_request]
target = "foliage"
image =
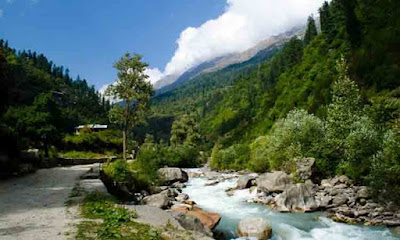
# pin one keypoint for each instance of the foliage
(184, 131)
(311, 31)
(37, 123)
(298, 135)
(139, 175)
(134, 90)
(153, 156)
(78, 154)
(40, 102)
(258, 155)
(100, 142)
(384, 177)
(233, 157)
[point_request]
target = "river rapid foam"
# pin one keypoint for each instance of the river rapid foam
(285, 226)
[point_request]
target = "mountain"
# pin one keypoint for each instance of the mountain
(171, 81)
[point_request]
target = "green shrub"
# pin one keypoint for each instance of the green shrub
(359, 148)
(298, 135)
(384, 177)
(108, 140)
(258, 155)
(154, 156)
(234, 157)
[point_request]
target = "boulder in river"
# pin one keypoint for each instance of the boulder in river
(209, 219)
(245, 181)
(254, 228)
(171, 175)
(190, 222)
(297, 198)
(305, 168)
(276, 181)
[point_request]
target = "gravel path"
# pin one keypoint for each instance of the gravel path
(34, 207)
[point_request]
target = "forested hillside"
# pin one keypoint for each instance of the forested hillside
(333, 95)
(40, 102)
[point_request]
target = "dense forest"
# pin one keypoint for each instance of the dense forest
(40, 103)
(332, 94)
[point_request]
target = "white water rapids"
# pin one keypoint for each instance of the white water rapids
(285, 226)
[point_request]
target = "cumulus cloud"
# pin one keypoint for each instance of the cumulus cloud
(243, 24)
(154, 74)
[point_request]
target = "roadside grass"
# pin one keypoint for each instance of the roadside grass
(105, 220)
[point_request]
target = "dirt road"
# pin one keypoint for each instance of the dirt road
(34, 207)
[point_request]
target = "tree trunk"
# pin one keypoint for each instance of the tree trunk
(124, 143)
(125, 130)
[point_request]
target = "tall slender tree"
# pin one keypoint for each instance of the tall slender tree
(326, 19)
(311, 31)
(133, 88)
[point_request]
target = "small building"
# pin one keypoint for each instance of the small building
(92, 127)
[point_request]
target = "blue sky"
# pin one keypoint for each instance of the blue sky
(87, 36)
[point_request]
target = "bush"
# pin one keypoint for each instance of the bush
(154, 156)
(134, 176)
(234, 157)
(359, 148)
(108, 140)
(258, 155)
(384, 177)
(298, 135)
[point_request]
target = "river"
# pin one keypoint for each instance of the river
(285, 226)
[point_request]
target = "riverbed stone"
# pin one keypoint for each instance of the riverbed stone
(305, 168)
(209, 219)
(255, 228)
(339, 200)
(162, 199)
(171, 175)
(190, 222)
(363, 193)
(276, 181)
(297, 198)
(245, 181)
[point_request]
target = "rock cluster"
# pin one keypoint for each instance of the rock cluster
(346, 202)
(179, 204)
(339, 196)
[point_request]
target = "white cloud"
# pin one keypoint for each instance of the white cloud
(243, 24)
(154, 74)
(103, 89)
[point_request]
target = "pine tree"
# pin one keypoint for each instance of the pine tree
(311, 31)
(326, 19)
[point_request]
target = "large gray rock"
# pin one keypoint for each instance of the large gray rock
(273, 181)
(153, 216)
(305, 168)
(93, 185)
(363, 192)
(297, 198)
(171, 175)
(254, 228)
(245, 181)
(190, 222)
(161, 200)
